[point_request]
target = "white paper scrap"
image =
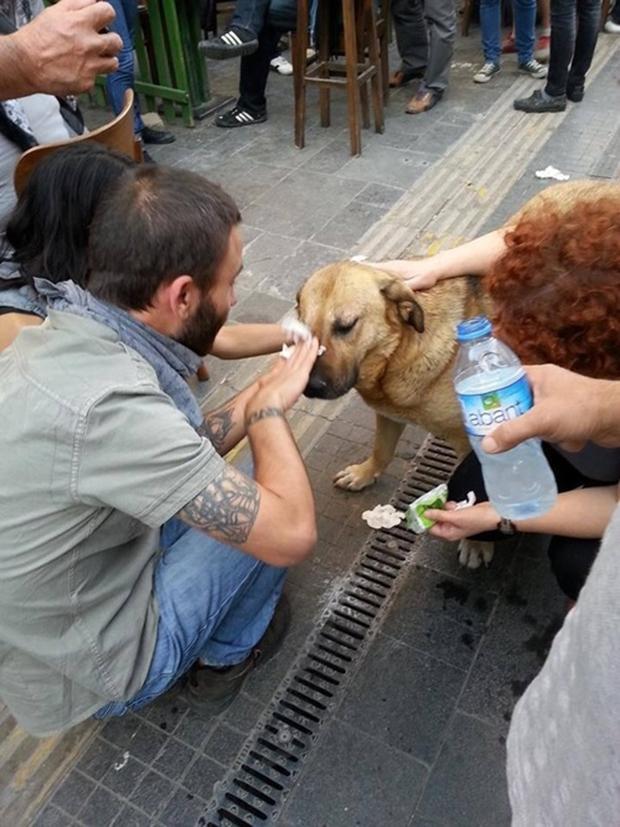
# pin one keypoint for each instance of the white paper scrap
(359, 258)
(551, 172)
(288, 350)
(471, 500)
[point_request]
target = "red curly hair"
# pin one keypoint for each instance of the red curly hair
(556, 291)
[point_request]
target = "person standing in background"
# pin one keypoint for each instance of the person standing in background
(118, 82)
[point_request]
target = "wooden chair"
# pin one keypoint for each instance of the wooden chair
(605, 12)
(361, 65)
(383, 33)
(117, 135)
(467, 13)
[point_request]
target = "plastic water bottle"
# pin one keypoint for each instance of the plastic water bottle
(492, 388)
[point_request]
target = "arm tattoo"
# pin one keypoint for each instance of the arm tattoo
(218, 424)
(227, 508)
(263, 413)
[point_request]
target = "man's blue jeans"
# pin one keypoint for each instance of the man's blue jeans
(123, 79)
(215, 603)
(525, 29)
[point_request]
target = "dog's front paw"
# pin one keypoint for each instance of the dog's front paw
(356, 477)
(472, 553)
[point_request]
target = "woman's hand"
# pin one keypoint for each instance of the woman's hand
(420, 274)
(455, 525)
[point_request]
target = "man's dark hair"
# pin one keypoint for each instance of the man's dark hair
(155, 224)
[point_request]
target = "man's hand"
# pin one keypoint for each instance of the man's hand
(569, 409)
(286, 381)
(61, 51)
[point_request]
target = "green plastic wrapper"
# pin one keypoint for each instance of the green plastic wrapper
(414, 516)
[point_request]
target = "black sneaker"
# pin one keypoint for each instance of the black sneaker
(210, 691)
(157, 136)
(238, 116)
(575, 92)
(539, 102)
(233, 43)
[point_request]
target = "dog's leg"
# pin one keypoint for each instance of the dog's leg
(472, 553)
(356, 477)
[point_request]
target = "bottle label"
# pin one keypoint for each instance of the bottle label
(482, 412)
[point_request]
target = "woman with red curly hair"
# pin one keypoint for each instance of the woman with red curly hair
(553, 279)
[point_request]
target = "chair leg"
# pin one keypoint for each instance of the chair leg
(466, 20)
(300, 45)
(353, 97)
(324, 50)
(373, 54)
(605, 13)
(362, 22)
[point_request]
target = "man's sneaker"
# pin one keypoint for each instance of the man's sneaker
(281, 65)
(541, 50)
(486, 72)
(238, 116)
(534, 69)
(233, 43)
(210, 691)
(611, 27)
(539, 101)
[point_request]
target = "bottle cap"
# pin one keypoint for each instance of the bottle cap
(471, 329)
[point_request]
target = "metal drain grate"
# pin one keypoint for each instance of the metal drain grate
(263, 774)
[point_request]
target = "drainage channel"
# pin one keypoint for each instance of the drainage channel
(268, 765)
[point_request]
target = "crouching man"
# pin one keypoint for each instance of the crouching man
(130, 551)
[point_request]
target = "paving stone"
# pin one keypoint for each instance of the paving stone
(101, 809)
(193, 730)
(468, 783)
(355, 780)
(98, 758)
(166, 712)
(403, 698)
(152, 794)
(121, 731)
(385, 165)
(130, 817)
(259, 307)
(73, 792)
(224, 744)
(349, 225)
(124, 775)
(291, 272)
(51, 816)
(183, 809)
(526, 620)
(244, 712)
(147, 742)
(440, 616)
(173, 759)
(202, 775)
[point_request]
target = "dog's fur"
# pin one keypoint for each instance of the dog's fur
(399, 355)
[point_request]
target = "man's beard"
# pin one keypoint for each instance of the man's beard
(200, 331)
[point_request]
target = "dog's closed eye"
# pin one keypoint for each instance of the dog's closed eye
(341, 328)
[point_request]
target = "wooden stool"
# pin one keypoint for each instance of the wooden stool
(360, 66)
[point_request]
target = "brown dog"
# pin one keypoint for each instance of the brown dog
(397, 349)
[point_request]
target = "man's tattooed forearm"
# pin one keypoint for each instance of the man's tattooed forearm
(227, 507)
(218, 425)
(263, 413)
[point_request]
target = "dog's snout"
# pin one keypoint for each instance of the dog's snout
(317, 387)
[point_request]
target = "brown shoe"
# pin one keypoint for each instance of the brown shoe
(423, 100)
(400, 78)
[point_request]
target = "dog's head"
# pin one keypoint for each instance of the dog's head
(360, 315)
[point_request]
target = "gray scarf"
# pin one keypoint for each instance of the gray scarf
(172, 362)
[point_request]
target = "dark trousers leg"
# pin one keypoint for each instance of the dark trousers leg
(411, 36)
(254, 71)
(563, 33)
(570, 558)
(588, 17)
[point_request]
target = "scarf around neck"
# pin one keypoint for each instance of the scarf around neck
(172, 362)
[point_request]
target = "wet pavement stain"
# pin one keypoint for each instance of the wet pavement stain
(540, 644)
(453, 591)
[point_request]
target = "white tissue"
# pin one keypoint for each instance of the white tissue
(288, 350)
(471, 500)
(383, 516)
(551, 172)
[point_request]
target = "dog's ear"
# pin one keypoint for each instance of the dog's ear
(409, 309)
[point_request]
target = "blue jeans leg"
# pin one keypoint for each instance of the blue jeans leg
(490, 24)
(215, 603)
(123, 79)
(525, 28)
(250, 14)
